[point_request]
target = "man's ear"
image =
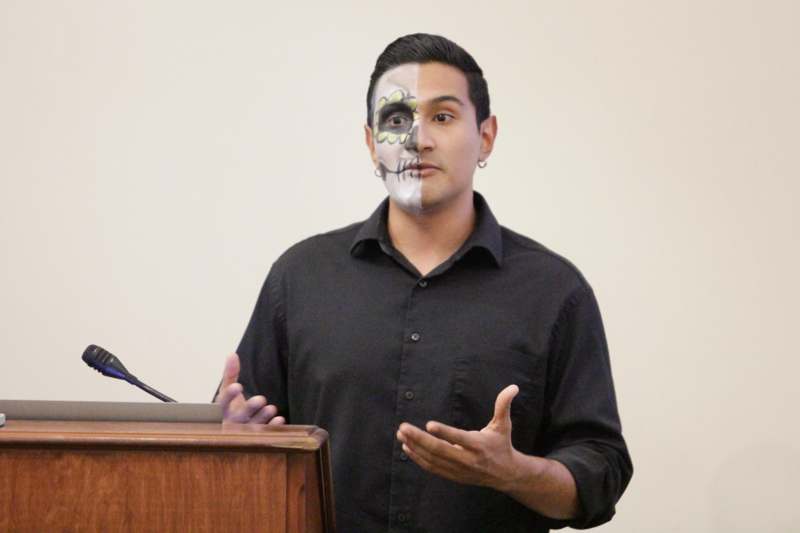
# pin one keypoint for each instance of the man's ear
(370, 142)
(488, 133)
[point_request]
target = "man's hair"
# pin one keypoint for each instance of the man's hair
(427, 48)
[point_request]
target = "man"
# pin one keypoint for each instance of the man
(460, 368)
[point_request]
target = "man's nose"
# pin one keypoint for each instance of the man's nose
(418, 139)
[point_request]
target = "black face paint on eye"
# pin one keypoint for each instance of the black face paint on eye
(396, 118)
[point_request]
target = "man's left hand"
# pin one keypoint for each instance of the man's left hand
(484, 457)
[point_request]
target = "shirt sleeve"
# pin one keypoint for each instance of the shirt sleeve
(263, 351)
(582, 426)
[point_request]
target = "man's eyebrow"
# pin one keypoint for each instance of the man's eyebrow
(447, 98)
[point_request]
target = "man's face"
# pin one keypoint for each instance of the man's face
(424, 139)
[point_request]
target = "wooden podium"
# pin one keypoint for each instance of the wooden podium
(158, 476)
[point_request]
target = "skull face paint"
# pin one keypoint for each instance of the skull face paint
(424, 139)
(395, 122)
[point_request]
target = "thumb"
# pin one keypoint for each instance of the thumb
(502, 406)
(231, 373)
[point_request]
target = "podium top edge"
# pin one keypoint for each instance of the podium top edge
(105, 434)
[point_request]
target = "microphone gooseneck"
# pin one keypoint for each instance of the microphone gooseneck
(107, 364)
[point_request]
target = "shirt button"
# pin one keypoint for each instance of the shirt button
(423, 283)
(403, 456)
(415, 336)
(402, 518)
(409, 395)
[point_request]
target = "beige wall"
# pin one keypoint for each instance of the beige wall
(156, 157)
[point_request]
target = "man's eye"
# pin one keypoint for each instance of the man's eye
(442, 117)
(397, 122)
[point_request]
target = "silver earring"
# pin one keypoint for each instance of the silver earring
(482, 164)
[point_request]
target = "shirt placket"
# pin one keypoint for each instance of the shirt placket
(404, 473)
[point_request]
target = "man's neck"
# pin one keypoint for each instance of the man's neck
(429, 238)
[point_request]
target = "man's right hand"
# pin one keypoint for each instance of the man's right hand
(237, 410)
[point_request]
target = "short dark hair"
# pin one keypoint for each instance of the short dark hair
(427, 48)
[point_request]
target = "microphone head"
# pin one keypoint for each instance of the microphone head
(105, 362)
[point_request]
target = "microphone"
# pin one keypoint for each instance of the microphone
(107, 364)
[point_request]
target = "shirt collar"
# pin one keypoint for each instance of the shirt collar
(486, 234)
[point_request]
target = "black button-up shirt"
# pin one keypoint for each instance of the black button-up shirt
(347, 335)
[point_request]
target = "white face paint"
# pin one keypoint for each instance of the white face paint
(394, 128)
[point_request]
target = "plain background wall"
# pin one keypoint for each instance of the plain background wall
(156, 157)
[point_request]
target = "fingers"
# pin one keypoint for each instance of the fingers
(277, 421)
(264, 415)
(427, 445)
(425, 462)
(238, 410)
(228, 394)
(502, 405)
(230, 374)
(235, 408)
(428, 459)
(253, 405)
(452, 435)
(434, 455)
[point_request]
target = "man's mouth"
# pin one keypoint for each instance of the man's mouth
(410, 168)
(422, 166)
(417, 168)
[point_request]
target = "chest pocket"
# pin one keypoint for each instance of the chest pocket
(479, 378)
